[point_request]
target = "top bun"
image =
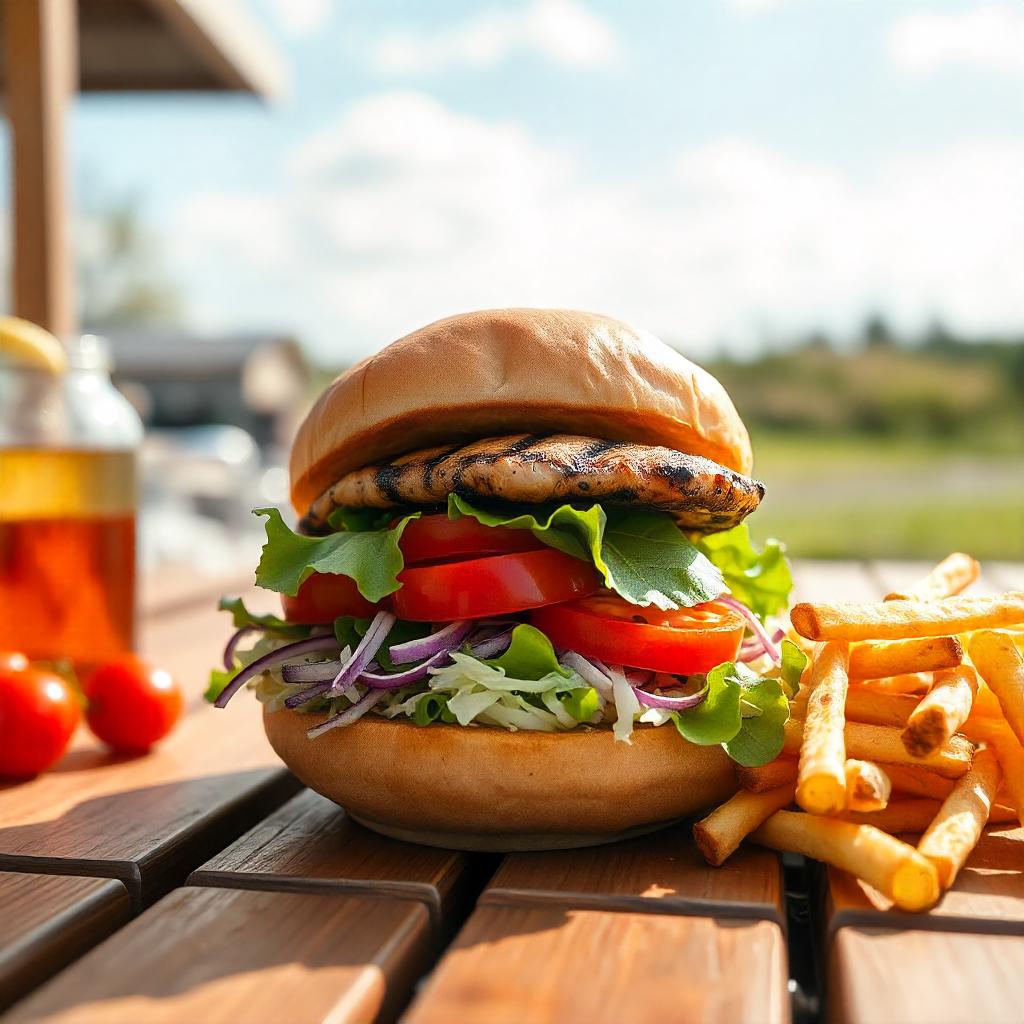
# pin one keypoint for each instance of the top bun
(506, 370)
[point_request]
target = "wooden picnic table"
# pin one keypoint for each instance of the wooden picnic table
(202, 883)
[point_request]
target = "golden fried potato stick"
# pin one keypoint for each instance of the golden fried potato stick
(913, 683)
(915, 815)
(866, 704)
(910, 780)
(1009, 752)
(719, 834)
(764, 777)
(1001, 665)
(867, 786)
(892, 867)
(957, 827)
(942, 711)
(954, 573)
(879, 659)
(880, 743)
(821, 776)
(899, 620)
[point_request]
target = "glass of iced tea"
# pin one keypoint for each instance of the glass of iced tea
(67, 510)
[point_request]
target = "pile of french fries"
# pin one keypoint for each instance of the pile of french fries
(910, 720)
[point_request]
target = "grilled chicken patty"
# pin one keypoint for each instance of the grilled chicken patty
(528, 469)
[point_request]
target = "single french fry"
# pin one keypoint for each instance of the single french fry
(880, 743)
(719, 834)
(1010, 754)
(764, 777)
(914, 781)
(867, 786)
(957, 827)
(875, 660)
(916, 815)
(1001, 664)
(901, 620)
(821, 776)
(913, 683)
(954, 573)
(942, 710)
(866, 704)
(892, 867)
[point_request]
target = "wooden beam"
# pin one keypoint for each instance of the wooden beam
(41, 68)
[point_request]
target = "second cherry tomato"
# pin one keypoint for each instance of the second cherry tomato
(132, 704)
(38, 715)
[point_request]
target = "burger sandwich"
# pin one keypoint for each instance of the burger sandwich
(521, 607)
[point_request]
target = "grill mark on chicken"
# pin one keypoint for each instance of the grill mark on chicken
(530, 469)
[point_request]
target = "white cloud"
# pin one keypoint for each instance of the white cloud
(989, 37)
(404, 211)
(563, 31)
(300, 17)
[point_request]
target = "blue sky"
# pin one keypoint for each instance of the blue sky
(722, 171)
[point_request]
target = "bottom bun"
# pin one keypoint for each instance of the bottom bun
(483, 788)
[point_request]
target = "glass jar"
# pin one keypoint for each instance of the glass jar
(68, 500)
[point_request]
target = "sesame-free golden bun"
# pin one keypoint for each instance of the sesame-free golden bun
(501, 371)
(480, 787)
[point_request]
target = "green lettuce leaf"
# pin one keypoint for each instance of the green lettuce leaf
(581, 703)
(242, 617)
(765, 711)
(717, 718)
(529, 656)
(744, 712)
(791, 671)
(760, 579)
(219, 678)
(371, 558)
(641, 554)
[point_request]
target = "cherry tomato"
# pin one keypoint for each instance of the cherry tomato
(13, 661)
(325, 596)
(440, 539)
(38, 715)
(498, 585)
(679, 642)
(132, 704)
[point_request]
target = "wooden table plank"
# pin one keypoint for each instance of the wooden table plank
(879, 976)
(534, 965)
(815, 580)
(147, 820)
(987, 897)
(48, 921)
(310, 844)
(660, 873)
(228, 955)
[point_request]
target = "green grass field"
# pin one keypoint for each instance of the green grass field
(856, 497)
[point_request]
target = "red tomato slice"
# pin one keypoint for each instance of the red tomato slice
(679, 642)
(440, 539)
(498, 585)
(324, 597)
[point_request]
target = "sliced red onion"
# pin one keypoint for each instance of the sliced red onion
(286, 653)
(364, 652)
(348, 716)
(296, 700)
(311, 672)
(492, 646)
(595, 673)
(656, 700)
(446, 639)
(232, 645)
(638, 676)
(778, 636)
(755, 625)
(395, 681)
